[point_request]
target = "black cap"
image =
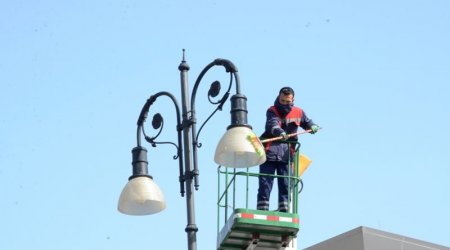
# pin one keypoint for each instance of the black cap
(287, 91)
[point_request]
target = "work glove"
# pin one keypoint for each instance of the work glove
(284, 135)
(314, 129)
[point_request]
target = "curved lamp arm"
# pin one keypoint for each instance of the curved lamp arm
(238, 115)
(157, 124)
(213, 92)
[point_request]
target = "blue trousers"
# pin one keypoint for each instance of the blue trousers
(266, 183)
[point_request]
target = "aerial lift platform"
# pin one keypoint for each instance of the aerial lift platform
(256, 229)
(247, 228)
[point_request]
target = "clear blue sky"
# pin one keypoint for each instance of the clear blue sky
(75, 74)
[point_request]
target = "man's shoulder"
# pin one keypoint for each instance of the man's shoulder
(297, 108)
(272, 109)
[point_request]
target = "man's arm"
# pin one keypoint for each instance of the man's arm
(306, 123)
(273, 123)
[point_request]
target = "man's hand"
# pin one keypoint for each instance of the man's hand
(284, 135)
(314, 129)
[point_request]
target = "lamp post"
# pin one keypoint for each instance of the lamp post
(141, 196)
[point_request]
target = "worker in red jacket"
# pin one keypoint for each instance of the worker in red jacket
(282, 119)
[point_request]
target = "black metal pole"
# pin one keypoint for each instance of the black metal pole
(191, 228)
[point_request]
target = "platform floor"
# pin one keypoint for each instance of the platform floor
(258, 230)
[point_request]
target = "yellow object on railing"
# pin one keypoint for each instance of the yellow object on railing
(303, 163)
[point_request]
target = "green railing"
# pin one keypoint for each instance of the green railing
(230, 176)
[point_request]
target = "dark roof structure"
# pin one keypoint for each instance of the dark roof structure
(364, 238)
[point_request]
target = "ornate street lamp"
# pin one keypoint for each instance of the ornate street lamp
(238, 148)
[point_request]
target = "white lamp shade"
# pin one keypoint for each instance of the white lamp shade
(240, 147)
(141, 196)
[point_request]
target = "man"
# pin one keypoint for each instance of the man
(282, 119)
